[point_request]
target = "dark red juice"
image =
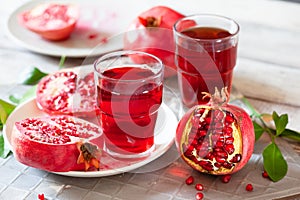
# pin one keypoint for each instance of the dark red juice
(207, 64)
(128, 109)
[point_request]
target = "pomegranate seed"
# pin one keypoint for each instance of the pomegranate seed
(229, 119)
(199, 196)
(229, 148)
(199, 187)
(226, 178)
(189, 180)
(265, 174)
(249, 187)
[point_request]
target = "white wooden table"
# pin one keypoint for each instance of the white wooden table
(267, 74)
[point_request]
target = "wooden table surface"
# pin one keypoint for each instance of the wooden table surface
(268, 68)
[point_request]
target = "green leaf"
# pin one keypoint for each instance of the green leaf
(29, 94)
(33, 76)
(291, 134)
(274, 163)
(258, 130)
(14, 99)
(4, 152)
(5, 109)
(62, 62)
(280, 122)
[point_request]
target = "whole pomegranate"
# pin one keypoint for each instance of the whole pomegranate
(64, 92)
(151, 32)
(216, 138)
(57, 143)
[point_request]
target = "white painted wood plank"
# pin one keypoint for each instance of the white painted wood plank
(269, 82)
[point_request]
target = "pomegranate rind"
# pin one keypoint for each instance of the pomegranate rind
(67, 89)
(149, 38)
(60, 157)
(51, 26)
(243, 131)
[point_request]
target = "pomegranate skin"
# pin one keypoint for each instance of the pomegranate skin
(50, 156)
(147, 31)
(243, 125)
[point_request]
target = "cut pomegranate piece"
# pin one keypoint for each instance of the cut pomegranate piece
(64, 92)
(52, 21)
(57, 143)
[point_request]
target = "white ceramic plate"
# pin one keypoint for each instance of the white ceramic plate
(164, 138)
(98, 30)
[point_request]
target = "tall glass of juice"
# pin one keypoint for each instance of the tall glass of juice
(206, 51)
(129, 94)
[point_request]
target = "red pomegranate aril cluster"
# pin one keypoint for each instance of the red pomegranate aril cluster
(52, 132)
(211, 140)
(68, 84)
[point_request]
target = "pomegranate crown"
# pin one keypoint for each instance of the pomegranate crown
(219, 97)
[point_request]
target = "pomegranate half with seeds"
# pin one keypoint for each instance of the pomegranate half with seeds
(68, 92)
(57, 143)
(216, 138)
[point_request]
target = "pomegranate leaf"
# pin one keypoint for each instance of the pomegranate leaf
(4, 152)
(5, 109)
(280, 122)
(258, 129)
(291, 134)
(32, 76)
(274, 163)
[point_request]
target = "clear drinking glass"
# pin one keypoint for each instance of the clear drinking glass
(206, 51)
(129, 94)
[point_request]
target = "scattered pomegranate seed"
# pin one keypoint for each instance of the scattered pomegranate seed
(199, 195)
(265, 174)
(199, 187)
(189, 180)
(41, 196)
(226, 178)
(249, 187)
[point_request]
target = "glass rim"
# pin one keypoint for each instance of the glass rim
(207, 15)
(127, 52)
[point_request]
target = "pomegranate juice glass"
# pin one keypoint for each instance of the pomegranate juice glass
(206, 50)
(129, 94)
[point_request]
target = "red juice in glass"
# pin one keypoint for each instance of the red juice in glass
(205, 57)
(129, 130)
(129, 97)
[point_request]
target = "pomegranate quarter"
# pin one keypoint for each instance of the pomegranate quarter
(57, 143)
(216, 138)
(66, 92)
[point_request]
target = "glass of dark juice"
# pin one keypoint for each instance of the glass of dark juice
(206, 51)
(129, 94)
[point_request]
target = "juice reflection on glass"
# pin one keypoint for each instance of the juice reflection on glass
(206, 50)
(129, 86)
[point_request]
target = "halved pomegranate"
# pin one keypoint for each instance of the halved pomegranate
(151, 32)
(53, 21)
(57, 143)
(65, 92)
(216, 138)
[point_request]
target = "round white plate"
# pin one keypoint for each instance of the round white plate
(164, 137)
(99, 28)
